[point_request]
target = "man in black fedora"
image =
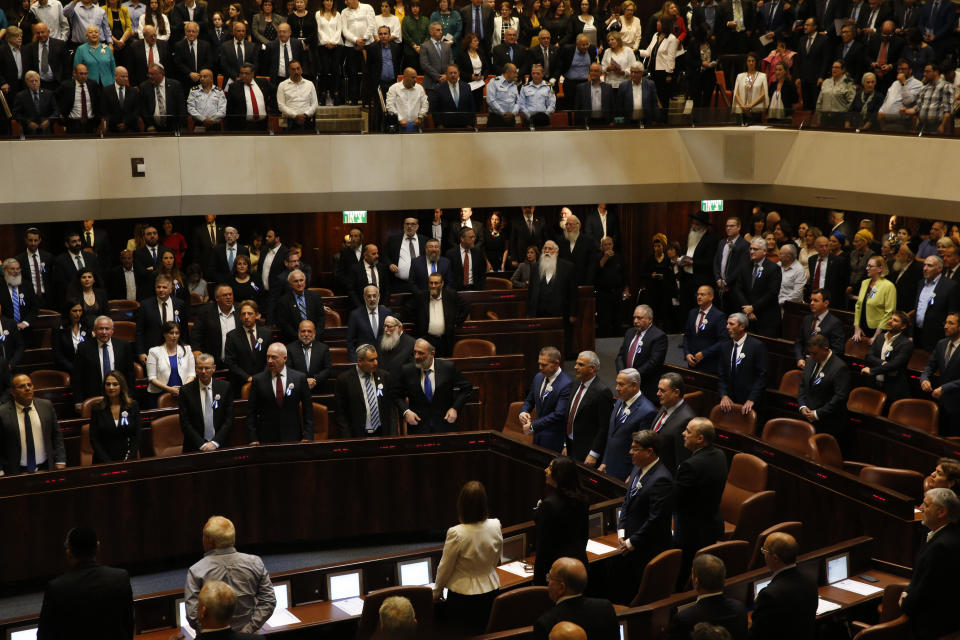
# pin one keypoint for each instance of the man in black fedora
(696, 261)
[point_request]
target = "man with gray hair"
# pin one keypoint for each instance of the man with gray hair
(936, 297)
(398, 620)
(631, 413)
(396, 347)
(931, 598)
(364, 398)
(96, 358)
(244, 573)
(793, 277)
(712, 604)
(550, 396)
(637, 100)
(743, 367)
(756, 290)
(215, 606)
(206, 409)
(589, 414)
(580, 249)
(34, 107)
(280, 408)
(299, 304)
(644, 348)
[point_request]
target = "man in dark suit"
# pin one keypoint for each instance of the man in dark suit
(237, 51)
(431, 393)
(361, 321)
(823, 390)
(827, 272)
(575, 59)
(154, 312)
(601, 222)
(937, 22)
(369, 271)
(206, 409)
(162, 105)
(309, 356)
(78, 100)
(631, 413)
(743, 367)
(643, 530)
(704, 333)
(452, 101)
(437, 314)
(906, 15)
(185, 13)
(285, 50)
(350, 254)
(565, 585)
(273, 261)
(928, 601)
(97, 358)
(888, 359)
(54, 50)
(17, 299)
(591, 403)
(96, 241)
(553, 289)
(37, 266)
(786, 609)
(579, 249)
(737, 35)
(364, 398)
(69, 262)
(222, 256)
(145, 259)
(851, 52)
(477, 18)
(945, 361)
(936, 297)
(697, 260)
(11, 73)
(883, 51)
(546, 55)
(403, 249)
(525, 231)
(90, 599)
(595, 102)
(191, 54)
(246, 113)
(648, 110)
(700, 482)
(671, 420)
(121, 103)
(122, 280)
(35, 107)
(732, 253)
(467, 263)
(549, 396)
(213, 322)
(33, 421)
(245, 352)
(396, 347)
(819, 322)
(280, 408)
(297, 305)
(813, 61)
(429, 262)
(712, 605)
(644, 348)
(383, 65)
(149, 50)
(508, 52)
(756, 290)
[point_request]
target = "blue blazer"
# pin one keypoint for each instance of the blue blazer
(648, 510)
(750, 378)
(709, 340)
(550, 425)
(651, 106)
(359, 331)
(620, 435)
(419, 276)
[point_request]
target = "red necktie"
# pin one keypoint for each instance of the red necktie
(83, 103)
(816, 274)
(813, 329)
(633, 350)
(163, 310)
(573, 410)
(659, 425)
(279, 391)
(150, 56)
(253, 103)
(466, 268)
(253, 343)
(699, 321)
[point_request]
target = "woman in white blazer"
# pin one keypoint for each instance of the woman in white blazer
(750, 91)
(468, 567)
(662, 54)
(169, 366)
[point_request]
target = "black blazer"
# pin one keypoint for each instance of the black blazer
(319, 368)
(360, 331)
(87, 377)
(949, 379)
(928, 603)
(584, 104)
(180, 15)
(946, 298)
(786, 609)
(558, 298)
(272, 58)
(237, 114)
(65, 96)
(400, 355)
(708, 341)
(455, 311)
(128, 113)
(242, 361)
(138, 50)
(176, 105)
(150, 322)
(896, 380)
(63, 352)
(585, 257)
(521, 237)
(717, 609)
(28, 301)
(649, 359)
(183, 62)
(535, 56)
(750, 378)
(835, 281)
(811, 66)
(90, 600)
(229, 65)
(25, 109)
(351, 412)
(287, 315)
(46, 260)
(647, 512)
(374, 52)
(112, 441)
(452, 392)
(446, 111)
(831, 328)
(501, 56)
(191, 414)
(478, 266)
(419, 278)
(269, 422)
(65, 271)
(358, 281)
(486, 17)
(206, 336)
(672, 451)
(218, 267)
(593, 227)
(739, 255)
(592, 420)
(827, 392)
(856, 59)
(393, 247)
(8, 69)
(562, 532)
(699, 486)
(56, 57)
(465, 64)
(763, 293)
(10, 436)
(596, 616)
(145, 266)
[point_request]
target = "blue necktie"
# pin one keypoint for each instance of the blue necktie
(16, 305)
(28, 435)
(208, 431)
(372, 401)
(433, 267)
(427, 387)
(621, 416)
(302, 306)
(477, 22)
(106, 361)
(230, 258)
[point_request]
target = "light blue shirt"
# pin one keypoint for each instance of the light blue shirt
(502, 96)
(537, 98)
(207, 106)
(925, 298)
(81, 17)
(135, 13)
(579, 66)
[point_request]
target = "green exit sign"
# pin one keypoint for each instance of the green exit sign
(354, 217)
(705, 205)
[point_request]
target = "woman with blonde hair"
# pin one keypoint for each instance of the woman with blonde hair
(630, 28)
(876, 302)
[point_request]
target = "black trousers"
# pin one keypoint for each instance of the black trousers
(328, 70)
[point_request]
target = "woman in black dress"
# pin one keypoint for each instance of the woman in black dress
(92, 298)
(72, 331)
(115, 422)
(561, 518)
(495, 243)
(659, 286)
(243, 285)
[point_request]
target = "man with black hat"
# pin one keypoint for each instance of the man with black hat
(697, 260)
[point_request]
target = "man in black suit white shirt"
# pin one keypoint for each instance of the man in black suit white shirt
(467, 264)
(36, 265)
(828, 272)
(245, 349)
(402, 250)
(364, 397)
(819, 321)
(32, 421)
(743, 367)
(437, 314)
(431, 393)
(96, 358)
(566, 583)
(280, 408)
(361, 321)
(823, 390)
(213, 322)
(786, 609)
(588, 418)
(206, 409)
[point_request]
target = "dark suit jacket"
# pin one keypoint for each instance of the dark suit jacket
(345, 262)
(138, 51)
(835, 281)
(114, 442)
(521, 237)
(831, 328)
(65, 95)
(202, 250)
(420, 279)
(359, 330)
(88, 601)
(928, 603)
(179, 15)
(902, 19)
(27, 301)
(183, 63)
(827, 393)
(191, 414)
(10, 436)
(358, 275)
(949, 379)
(647, 512)
(87, 378)
(242, 361)
(290, 421)
(590, 423)
(486, 17)
(229, 65)
(815, 64)
(672, 451)
(739, 255)
(596, 616)
(176, 105)
(501, 56)
(585, 258)
(145, 267)
(11, 347)
(115, 113)
(709, 340)
(206, 336)
(946, 298)
(700, 482)
(455, 311)
(351, 412)
(65, 271)
(535, 56)
(620, 432)
(558, 298)
(648, 360)
(46, 260)
(393, 247)
(319, 368)
(856, 58)
(271, 58)
(896, 380)
(942, 22)
(393, 360)
(549, 426)
(478, 265)
(650, 103)
(287, 315)
(219, 268)
(567, 52)
(374, 65)
(56, 58)
(716, 609)
(786, 609)
(452, 389)
(8, 69)
(237, 111)
(25, 109)
(584, 104)
(749, 379)
(763, 293)
(149, 323)
(562, 532)
(448, 113)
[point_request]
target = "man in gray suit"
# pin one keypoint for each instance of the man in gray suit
(435, 55)
(35, 422)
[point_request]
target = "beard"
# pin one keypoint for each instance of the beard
(571, 236)
(693, 238)
(548, 266)
(13, 281)
(390, 342)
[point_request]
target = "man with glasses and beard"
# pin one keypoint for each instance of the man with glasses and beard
(396, 347)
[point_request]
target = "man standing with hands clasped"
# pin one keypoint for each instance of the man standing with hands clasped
(435, 390)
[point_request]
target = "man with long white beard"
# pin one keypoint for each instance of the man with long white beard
(580, 249)
(396, 347)
(553, 289)
(19, 303)
(697, 259)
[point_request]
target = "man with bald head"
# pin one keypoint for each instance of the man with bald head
(78, 100)
(699, 486)
(371, 270)
(52, 50)
(121, 103)
(407, 101)
(280, 408)
(431, 393)
(786, 609)
(567, 631)
(565, 585)
(30, 436)
(402, 249)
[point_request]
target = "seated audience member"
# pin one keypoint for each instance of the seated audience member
(549, 397)
(365, 323)
(297, 305)
(206, 104)
(453, 106)
(33, 422)
(644, 348)
(297, 99)
(819, 322)
(34, 107)
(90, 599)
(467, 263)
(396, 347)
(824, 387)
(309, 355)
(537, 100)
(280, 408)
(247, 102)
(245, 353)
(206, 409)
(793, 277)
(637, 100)
(156, 312)
(96, 358)
(402, 250)
(430, 262)
(595, 102)
(365, 397)
(946, 475)
(78, 100)
(437, 314)
(643, 530)
(431, 393)
(370, 270)
(216, 605)
(672, 419)
(699, 486)
(757, 288)
(928, 602)
(407, 102)
(213, 322)
(712, 605)
(398, 621)
(566, 583)
(631, 413)
(161, 102)
(115, 422)
(942, 362)
(828, 272)
(169, 365)
(888, 358)
(561, 518)
(743, 367)
(589, 415)
(705, 333)
(902, 94)
(936, 297)
(244, 573)
(787, 607)
(503, 99)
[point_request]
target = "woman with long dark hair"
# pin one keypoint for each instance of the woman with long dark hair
(72, 331)
(115, 422)
(561, 517)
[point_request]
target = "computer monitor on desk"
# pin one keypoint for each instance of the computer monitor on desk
(759, 586)
(595, 522)
(414, 573)
(514, 548)
(838, 568)
(343, 585)
(22, 633)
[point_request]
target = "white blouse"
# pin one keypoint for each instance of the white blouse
(329, 31)
(393, 22)
(166, 23)
(625, 58)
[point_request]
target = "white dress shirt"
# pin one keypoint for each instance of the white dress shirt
(407, 104)
(294, 98)
(793, 279)
(77, 111)
(227, 324)
(261, 103)
(436, 326)
(329, 31)
(358, 23)
(403, 263)
(266, 262)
